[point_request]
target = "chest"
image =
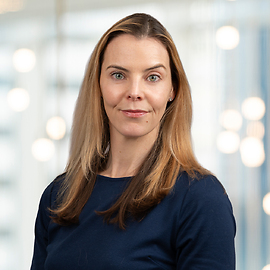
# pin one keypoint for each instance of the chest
(94, 244)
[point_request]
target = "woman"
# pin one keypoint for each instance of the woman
(133, 195)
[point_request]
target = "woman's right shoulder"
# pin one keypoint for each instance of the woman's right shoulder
(47, 202)
(49, 195)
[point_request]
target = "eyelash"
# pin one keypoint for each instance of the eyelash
(153, 75)
(115, 74)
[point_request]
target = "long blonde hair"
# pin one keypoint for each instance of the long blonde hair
(171, 154)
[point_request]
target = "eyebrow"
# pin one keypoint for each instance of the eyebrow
(148, 69)
(156, 66)
(117, 67)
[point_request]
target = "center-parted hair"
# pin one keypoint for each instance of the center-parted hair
(170, 155)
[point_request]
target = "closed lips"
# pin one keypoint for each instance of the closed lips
(134, 113)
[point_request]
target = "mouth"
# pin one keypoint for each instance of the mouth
(134, 113)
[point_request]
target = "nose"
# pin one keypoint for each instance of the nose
(135, 91)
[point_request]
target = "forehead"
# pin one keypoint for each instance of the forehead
(130, 49)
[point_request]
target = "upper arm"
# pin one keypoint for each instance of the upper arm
(41, 230)
(205, 238)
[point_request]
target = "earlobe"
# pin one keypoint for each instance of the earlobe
(172, 95)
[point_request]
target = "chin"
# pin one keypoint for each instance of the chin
(139, 133)
(134, 135)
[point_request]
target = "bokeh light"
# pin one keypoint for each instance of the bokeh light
(267, 267)
(266, 204)
(231, 120)
(227, 37)
(253, 108)
(24, 60)
(56, 128)
(10, 6)
(18, 99)
(228, 142)
(252, 152)
(43, 149)
(256, 129)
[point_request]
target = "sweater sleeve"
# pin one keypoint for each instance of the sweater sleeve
(205, 239)
(41, 229)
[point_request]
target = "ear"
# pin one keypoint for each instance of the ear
(172, 95)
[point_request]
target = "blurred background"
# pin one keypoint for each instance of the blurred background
(225, 49)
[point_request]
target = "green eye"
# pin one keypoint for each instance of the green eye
(118, 76)
(153, 78)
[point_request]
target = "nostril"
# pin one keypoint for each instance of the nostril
(134, 97)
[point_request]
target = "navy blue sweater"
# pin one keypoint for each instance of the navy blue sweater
(193, 228)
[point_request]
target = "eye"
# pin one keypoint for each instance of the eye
(118, 76)
(153, 78)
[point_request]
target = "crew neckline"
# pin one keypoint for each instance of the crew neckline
(113, 178)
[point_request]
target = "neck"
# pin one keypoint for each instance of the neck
(126, 155)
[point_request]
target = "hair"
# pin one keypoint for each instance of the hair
(170, 155)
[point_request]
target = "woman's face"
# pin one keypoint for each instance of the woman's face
(136, 85)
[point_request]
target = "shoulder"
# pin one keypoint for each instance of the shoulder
(201, 187)
(46, 203)
(206, 224)
(203, 198)
(49, 195)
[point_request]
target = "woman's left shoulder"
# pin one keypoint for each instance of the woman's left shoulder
(204, 192)
(201, 185)
(206, 223)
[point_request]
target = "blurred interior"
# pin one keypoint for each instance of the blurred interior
(225, 49)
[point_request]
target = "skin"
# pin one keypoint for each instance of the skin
(136, 86)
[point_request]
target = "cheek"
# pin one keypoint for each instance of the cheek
(110, 101)
(111, 95)
(108, 97)
(160, 97)
(160, 103)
